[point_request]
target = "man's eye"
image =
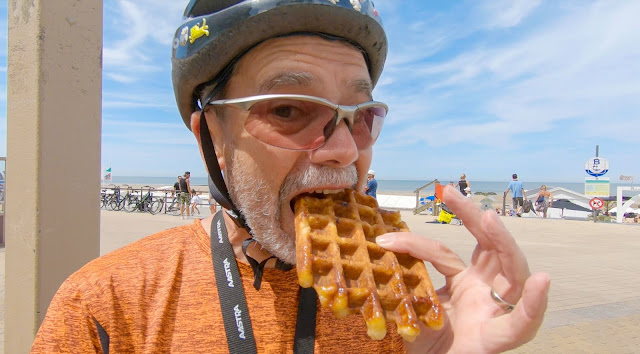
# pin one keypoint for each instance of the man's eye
(283, 111)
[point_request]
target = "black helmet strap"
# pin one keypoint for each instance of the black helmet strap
(258, 268)
(218, 188)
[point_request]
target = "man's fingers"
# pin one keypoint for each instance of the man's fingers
(463, 208)
(497, 251)
(443, 259)
(514, 266)
(520, 326)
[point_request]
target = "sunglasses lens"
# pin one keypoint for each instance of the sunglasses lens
(289, 123)
(367, 125)
(302, 125)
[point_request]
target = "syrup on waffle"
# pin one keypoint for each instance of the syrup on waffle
(337, 255)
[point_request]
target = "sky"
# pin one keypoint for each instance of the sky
(486, 88)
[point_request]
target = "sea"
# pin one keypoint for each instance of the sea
(393, 186)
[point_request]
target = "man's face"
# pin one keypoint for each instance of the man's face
(262, 179)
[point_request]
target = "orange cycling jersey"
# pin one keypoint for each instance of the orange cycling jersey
(159, 295)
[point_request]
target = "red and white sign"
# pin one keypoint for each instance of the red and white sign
(596, 203)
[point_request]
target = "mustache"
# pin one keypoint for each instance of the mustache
(318, 176)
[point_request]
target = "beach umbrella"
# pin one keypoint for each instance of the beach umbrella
(566, 204)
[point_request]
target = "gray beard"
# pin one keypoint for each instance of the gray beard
(261, 205)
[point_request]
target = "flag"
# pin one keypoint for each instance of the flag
(107, 175)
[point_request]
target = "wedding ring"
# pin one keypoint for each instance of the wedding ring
(505, 305)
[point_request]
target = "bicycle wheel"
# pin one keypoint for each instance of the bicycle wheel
(131, 204)
(115, 205)
(155, 206)
(118, 205)
(109, 202)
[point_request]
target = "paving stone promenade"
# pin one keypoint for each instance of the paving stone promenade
(594, 306)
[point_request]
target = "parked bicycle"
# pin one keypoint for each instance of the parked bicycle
(147, 202)
(173, 208)
(105, 197)
(118, 201)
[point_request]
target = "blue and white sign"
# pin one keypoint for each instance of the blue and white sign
(597, 166)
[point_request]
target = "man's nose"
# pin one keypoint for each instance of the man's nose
(340, 149)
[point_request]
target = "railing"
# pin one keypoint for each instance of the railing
(419, 208)
(168, 197)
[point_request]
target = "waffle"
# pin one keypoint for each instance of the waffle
(337, 255)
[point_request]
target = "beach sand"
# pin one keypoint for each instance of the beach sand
(594, 303)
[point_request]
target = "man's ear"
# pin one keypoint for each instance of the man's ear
(214, 133)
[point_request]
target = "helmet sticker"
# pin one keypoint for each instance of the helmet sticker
(356, 5)
(184, 35)
(333, 1)
(198, 31)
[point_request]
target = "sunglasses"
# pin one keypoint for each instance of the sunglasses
(300, 122)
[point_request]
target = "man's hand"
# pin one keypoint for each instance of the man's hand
(474, 322)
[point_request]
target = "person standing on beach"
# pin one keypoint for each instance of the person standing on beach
(463, 184)
(372, 184)
(176, 188)
(195, 201)
(279, 96)
(517, 194)
(185, 194)
(212, 204)
(544, 200)
(213, 207)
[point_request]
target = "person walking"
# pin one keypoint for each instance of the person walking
(372, 184)
(463, 184)
(213, 207)
(176, 188)
(185, 194)
(517, 194)
(544, 200)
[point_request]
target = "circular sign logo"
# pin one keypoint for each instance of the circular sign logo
(597, 166)
(596, 203)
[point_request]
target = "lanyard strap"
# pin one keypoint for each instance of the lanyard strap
(233, 302)
(306, 323)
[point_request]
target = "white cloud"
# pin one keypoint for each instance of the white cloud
(507, 13)
(133, 31)
(566, 68)
(120, 78)
(135, 99)
(119, 124)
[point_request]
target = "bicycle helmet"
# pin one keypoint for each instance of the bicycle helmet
(216, 33)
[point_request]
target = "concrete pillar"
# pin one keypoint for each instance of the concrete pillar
(53, 154)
